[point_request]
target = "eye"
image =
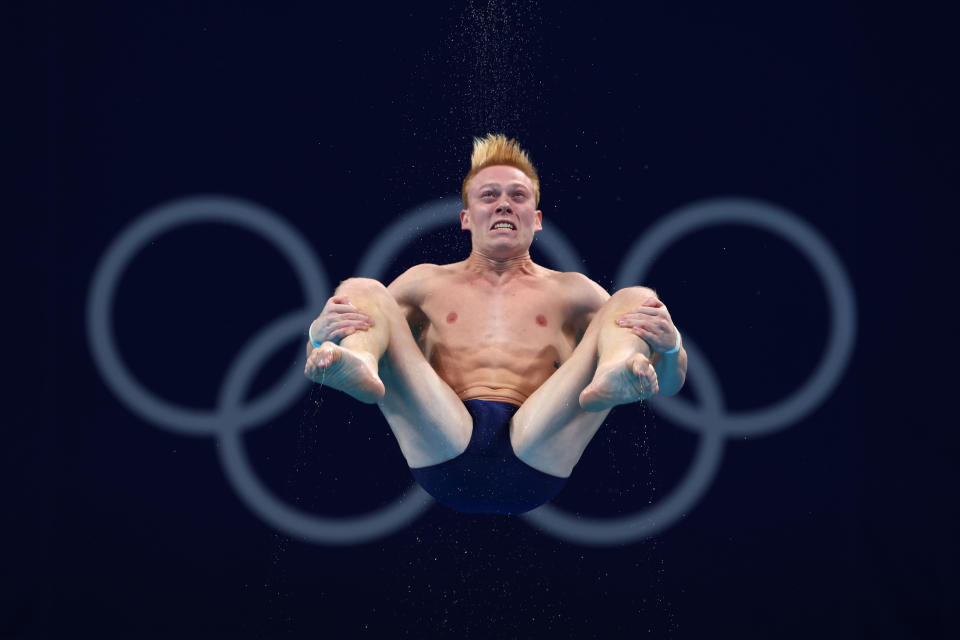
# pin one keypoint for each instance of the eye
(519, 195)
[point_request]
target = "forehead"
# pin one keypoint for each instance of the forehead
(500, 174)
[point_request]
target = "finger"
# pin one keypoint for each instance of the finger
(648, 337)
(644, 333)
(632, 319)
(653, 341)
(338, 330)
(641, 320)
(340, 324)
(343, 308)
(342, 333)
(659, 327)
(351, 316)
(653, 302)
(647, 311)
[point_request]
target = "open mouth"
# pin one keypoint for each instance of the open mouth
(503, 225)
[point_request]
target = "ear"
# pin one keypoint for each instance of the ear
(464, 220)
(539, 226)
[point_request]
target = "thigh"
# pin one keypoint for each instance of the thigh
(430, 422)
(551, 431)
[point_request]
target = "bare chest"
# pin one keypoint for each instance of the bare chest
(525, 319)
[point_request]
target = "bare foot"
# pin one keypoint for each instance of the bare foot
(620, 383)
(349, 371)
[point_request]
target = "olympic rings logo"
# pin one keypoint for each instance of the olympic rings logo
(231, 417)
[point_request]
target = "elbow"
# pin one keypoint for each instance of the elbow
(671, 391)
(672, 387)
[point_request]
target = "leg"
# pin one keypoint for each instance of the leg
(551, 430)
(428, 419)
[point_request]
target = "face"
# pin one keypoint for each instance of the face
(501, 194)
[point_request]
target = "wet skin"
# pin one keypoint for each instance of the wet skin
(495, 326)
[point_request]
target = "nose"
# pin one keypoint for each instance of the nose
(504, 207)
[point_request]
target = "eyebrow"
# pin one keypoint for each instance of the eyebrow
(497, 185)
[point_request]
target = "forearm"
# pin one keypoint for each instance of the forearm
(671, 371)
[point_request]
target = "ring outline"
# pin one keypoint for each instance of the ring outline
(545, 517)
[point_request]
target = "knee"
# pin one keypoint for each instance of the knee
(362, 287)
(368, 295)
(633, 295)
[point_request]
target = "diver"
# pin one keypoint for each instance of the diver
(494, 372)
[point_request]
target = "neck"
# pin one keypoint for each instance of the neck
(480, 262)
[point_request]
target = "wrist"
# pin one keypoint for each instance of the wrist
(313, 341)
(676, 347)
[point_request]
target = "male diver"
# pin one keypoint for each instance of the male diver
(495, 372)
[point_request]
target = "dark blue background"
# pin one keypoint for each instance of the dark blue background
(342, 118)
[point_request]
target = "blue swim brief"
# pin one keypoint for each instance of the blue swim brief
(488, 477)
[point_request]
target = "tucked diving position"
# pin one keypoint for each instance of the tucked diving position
(494, 372)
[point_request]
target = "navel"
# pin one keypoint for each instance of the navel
(451, 317)
(542, 320)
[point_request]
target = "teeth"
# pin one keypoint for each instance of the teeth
(503, 225)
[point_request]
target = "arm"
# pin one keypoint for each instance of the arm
(338, 319)
(409, 290)
(671, 371)
(656, 326)
(587, 298)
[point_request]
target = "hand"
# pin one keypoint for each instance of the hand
(652, 322)
(338, 320)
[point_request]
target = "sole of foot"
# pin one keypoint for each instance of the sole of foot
(352, 373)
(620, 383)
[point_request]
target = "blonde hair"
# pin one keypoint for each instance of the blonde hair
(498, 149)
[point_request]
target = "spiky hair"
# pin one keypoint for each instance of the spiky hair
(498, 149)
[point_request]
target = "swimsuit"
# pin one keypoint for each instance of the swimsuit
(488, 477)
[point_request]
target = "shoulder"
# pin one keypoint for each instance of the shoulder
(583, 298)
(419, 272)
(584, 293)
(411, 285)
